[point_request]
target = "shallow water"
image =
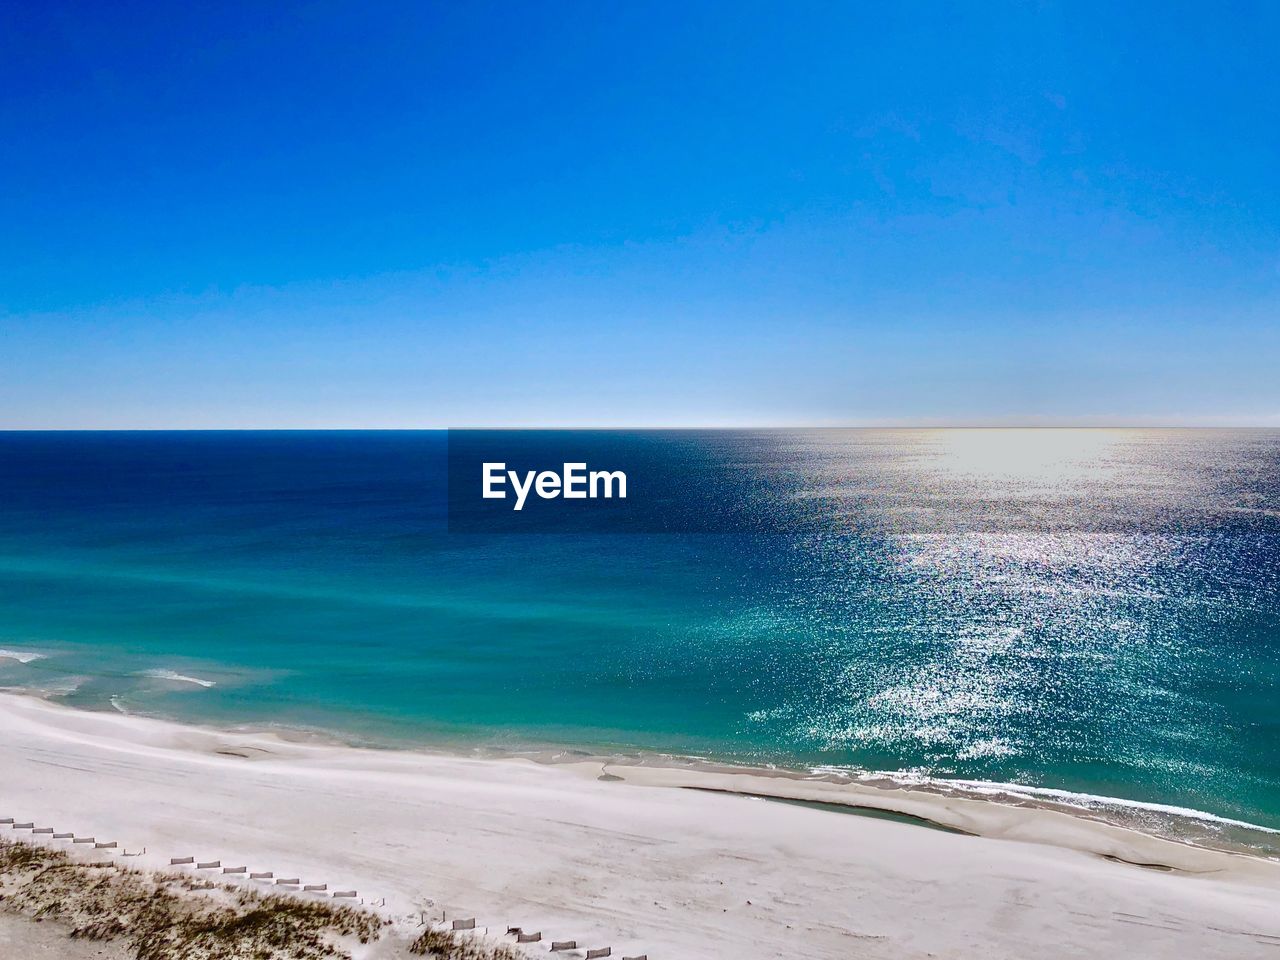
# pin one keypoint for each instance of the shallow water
(1093, 612)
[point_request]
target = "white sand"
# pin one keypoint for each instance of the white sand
(637, 865)
(23, 939)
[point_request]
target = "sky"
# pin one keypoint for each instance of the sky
(689, 214)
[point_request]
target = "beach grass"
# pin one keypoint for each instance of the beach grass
(446, 945)
(166, 916)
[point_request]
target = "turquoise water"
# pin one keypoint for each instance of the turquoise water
(1091, 612)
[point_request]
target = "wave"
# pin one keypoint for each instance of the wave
(1094, 801)
(22, 656)
(178, 677)
(64, 686)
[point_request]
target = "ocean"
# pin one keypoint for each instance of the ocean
(1079, 617)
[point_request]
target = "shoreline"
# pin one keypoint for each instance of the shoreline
(894, 792)
(647, 859)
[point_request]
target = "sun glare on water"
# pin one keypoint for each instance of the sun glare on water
(1044, 458)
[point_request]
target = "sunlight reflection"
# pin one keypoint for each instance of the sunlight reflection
(1047, 458)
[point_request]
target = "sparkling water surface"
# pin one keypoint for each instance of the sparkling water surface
(1088, 614)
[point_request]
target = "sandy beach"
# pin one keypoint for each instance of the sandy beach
(631, 861)
(19, 937)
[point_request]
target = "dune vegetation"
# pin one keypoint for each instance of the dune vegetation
(169, 916)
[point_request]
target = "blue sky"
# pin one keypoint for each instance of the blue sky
(334, 214)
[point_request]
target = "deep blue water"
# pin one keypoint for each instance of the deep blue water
(1087, 611)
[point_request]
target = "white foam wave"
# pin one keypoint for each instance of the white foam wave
(1085, 801)
(22, 656)
(178, 677)
(63, 686)
(1093, 801)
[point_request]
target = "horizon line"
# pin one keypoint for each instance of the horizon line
(887, 425)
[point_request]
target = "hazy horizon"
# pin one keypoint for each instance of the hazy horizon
(642, 427)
